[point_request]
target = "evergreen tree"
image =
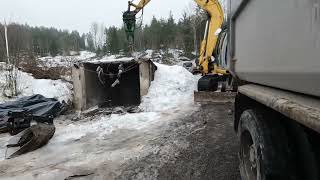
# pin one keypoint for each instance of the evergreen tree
(185, 34)
(113, 40)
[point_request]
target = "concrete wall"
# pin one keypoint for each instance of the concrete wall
(147, 69)
(78, 78)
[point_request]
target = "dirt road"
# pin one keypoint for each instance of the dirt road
(210, 152)
(195, 143)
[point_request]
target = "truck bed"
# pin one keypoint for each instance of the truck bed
(277, 43)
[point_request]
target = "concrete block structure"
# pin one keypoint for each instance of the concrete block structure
(95, 82)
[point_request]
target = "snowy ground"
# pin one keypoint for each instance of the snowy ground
(59, 89)
(173, 87)
(101, 144)
(169, 56)
(28, 86)
(66, 61)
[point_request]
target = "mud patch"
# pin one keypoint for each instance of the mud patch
(200, 146)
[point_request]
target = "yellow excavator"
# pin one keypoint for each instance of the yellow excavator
(211, 65)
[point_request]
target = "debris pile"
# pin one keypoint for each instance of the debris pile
(17, 117)
(30, 139)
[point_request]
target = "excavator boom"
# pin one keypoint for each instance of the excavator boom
(210, 68)
(139, 6)
(214, 23)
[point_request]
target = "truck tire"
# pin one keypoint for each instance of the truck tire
(264, 152)
(302, 152)
(223, 86)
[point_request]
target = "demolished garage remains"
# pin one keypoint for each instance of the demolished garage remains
(111, 82)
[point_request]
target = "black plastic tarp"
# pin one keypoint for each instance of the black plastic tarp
(36, 105)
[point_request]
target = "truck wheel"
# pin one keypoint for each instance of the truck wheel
(303, 152)
(263, 147)
(232, 84)
(223, 86)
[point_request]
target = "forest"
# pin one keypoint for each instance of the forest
(27, 41)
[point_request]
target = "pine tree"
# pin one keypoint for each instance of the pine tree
(113, 40)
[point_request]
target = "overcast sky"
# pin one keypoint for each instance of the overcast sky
(79, 14)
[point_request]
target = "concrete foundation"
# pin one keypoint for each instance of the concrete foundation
(91, 90)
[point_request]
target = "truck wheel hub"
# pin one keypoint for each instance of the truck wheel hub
(252, 156)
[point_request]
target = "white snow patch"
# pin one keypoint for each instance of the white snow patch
(49, 88)
(176, 53)
(3, 145)
(28, 86)
(105, 126)
(111, 59)
(173, 86)
(149, 53)
(86, 55)
(66, 61)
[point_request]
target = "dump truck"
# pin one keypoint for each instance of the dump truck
(274, 55)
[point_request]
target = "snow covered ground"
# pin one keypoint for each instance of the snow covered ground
(172, 87)
(176, 56)
(106, 140)
(66, 61)
(169, 56)
(61, 90)
(28, 86)
(111, 59)
(58, 89)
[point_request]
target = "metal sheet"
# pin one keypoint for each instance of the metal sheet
(277, 43)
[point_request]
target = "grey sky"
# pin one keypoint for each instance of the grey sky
(79, 14)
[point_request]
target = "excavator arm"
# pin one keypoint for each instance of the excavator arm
(129, 19)
(209, 43)
(208, 66)
(139, 6)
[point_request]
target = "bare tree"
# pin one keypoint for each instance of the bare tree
(196, 22)
(94, 31)
(11, 75)
(101, 35)
(197, 15)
